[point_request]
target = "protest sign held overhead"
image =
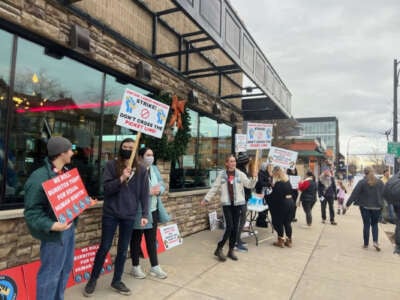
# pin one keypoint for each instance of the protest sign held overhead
(240, 142)
(142, 113)
(259, 136)
(282, 157)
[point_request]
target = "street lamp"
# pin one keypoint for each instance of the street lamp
(347, 154)
(395, 85)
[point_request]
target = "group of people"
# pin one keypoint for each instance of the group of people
(131, 203)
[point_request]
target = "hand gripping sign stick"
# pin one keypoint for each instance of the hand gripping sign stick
(255, 167)
(135, 147)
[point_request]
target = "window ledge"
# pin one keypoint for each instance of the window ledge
(188, 193)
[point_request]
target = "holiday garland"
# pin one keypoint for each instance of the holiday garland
(170, 147)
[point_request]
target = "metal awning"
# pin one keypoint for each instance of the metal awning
(220, 28)
(214, 26)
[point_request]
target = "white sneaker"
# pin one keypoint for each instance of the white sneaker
(137, 272)
(156, 271)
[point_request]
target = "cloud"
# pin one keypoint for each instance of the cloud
(336, 58)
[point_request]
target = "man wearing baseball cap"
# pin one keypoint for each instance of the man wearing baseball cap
(57, 239)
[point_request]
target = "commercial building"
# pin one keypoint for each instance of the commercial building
(64, 66)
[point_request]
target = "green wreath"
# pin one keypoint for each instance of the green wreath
(165, 148)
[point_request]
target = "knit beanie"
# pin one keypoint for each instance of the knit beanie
(242, 159)
(57, 145)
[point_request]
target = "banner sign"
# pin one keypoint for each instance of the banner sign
(171, 236)
(83, 263)
(294, 181)
(259, 136)
(142, 113)
(12, 284)
(282, 157)
(240, 143)
(389, 159)
(159, 244)
(67, 195)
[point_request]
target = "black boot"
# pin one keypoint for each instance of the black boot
(232, 255)
(218, 253)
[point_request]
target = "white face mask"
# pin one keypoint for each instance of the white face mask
(148, 160)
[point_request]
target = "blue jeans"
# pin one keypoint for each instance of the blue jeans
(109, 227)
(370, 218)
(56, 261)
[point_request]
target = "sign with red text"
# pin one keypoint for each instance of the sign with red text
(142, 113)
(259, 136)
(67, 195)
(159, 244)
(83, 263)
(240, 142)
(171, 236)
(282, 157)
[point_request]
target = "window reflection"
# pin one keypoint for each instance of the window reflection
(54, 97)
(5, 57)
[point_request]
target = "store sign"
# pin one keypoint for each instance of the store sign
(142, 113)
(393, 148)
(259, 136)
(282, 157)
(67, 195)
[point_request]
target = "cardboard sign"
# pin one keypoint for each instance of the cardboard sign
(282, 157)
(259, 136)
(12, 284)
(240, 143)
(142, 113)
(171, 236)
(83, 263)
(159, 244)
(294, 181)
(213, 218)
(67, 195)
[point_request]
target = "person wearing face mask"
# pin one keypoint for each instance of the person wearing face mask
(126, 187)
(157, 214)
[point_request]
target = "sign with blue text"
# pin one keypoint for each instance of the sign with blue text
(141, 113)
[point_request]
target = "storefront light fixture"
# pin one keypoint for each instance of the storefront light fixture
(216, 109)
(193, 97)
(143, 71)
(80, 38)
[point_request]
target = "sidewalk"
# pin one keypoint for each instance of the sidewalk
(326, 262)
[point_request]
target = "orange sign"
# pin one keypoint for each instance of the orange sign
(67, 195)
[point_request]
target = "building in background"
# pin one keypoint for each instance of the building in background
(324, 129)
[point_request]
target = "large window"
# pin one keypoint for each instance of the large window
(210, 143)
(7, 162)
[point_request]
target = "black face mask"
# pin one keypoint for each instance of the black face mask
(125, 154)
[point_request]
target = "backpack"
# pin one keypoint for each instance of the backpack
(391, 191)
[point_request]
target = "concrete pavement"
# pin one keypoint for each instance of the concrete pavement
(326, 262)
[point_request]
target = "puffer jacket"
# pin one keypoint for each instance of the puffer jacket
(240, 182)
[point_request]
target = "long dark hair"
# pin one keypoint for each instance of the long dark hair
(120, 166)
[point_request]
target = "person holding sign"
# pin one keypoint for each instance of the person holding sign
(125, 185)
(281, 206)
(157, 213)
(230, 183)
(57, 239)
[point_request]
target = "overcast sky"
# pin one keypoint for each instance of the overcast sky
(335, 57)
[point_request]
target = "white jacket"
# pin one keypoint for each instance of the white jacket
(221, 183)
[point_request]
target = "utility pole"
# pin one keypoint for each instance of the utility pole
(395, 85)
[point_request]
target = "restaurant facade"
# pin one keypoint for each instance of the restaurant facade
(64, 66)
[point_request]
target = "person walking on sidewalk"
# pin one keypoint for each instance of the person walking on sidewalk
(281, 205)
(368, 195)
(341, 194)
(124, 187)
(308, 196)
(57, 240)
(157, 214)
(242, 163)
(327, 194)
(230, 183)
(295, 192)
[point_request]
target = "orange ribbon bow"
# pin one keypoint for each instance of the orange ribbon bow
(178, 107)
